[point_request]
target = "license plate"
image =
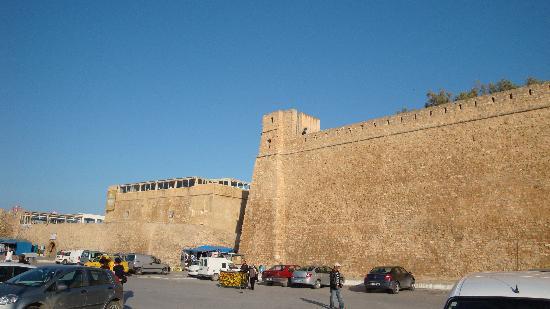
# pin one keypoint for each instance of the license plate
(374, 283)
(268, 279)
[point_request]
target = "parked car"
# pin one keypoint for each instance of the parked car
(143, 263)
(10, 270)
(96, 263)
(280, 274)
(62, 257)
(210, 267)
(390, 278)
(193, 269)
(61, 286)
(510, 290)
(88, 255)
(314, 276)
(69, 257)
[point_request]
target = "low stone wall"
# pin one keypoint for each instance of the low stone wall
(8, 223)
(165, 241)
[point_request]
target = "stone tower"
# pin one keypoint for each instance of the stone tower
(266, 203)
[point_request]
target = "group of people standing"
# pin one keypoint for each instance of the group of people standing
(118, 269)
(252, 273)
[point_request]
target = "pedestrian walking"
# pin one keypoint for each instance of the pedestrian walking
(253, 276)
(9, 255)
(336, 283)
(118, 269)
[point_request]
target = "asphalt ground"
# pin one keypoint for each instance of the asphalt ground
(178, 291)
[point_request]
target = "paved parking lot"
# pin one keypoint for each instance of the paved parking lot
(178, 291)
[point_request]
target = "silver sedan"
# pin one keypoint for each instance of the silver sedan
(314, 276)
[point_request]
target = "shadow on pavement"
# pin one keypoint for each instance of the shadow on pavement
(127, 295)
(314, 302)
(357, 288)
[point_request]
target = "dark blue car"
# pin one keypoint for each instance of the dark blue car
(389, 278)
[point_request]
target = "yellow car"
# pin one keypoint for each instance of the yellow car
(95, 262)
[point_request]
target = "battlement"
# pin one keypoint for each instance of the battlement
(493, 105)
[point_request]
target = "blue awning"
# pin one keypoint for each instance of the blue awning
(208, 248)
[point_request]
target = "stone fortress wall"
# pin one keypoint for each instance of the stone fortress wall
(442, 191)
(187, 200)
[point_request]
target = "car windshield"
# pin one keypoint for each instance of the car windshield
(35, 277)
(130, 257)
(277, 267)
(307, 268)
(497, 302)
(380, 270)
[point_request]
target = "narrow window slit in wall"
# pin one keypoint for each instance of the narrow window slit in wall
(459, 106)
(530, 91)
(511, 96)
(269, 143)
(374, 123)
(445, 109)
(493, 99)
(401, 119)
(431, 113)
(388, 121)
(414, 116)
(271, 119)
(475, 103)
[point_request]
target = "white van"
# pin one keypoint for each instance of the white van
(210, 267)
(68, 257)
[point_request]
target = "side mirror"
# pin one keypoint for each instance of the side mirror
(62, 287)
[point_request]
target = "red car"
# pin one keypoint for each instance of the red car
(279, 274)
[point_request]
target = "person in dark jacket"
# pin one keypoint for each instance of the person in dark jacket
(118, 269)
(336, 283)
(104, 262)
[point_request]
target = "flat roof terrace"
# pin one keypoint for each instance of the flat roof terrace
(185, 182)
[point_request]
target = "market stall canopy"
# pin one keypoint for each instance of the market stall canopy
(21, 245)
(208, 248)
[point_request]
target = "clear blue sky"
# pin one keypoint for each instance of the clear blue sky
(94, 93)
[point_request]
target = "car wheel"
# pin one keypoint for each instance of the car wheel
(164, 271)
(113, 305)
(64, 262)
(33, 307)
(138, 271)
(317, 284)
(367, 290)
(413, 286)
(395, 288)
(215, 277)
(270, 283)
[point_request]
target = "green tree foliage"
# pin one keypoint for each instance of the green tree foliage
(467, 94)
(533, 81)
(505, 85)
(443, 96)
(434, 99)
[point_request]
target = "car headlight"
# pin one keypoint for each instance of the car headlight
(8, 299)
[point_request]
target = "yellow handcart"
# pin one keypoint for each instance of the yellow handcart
(233, 279)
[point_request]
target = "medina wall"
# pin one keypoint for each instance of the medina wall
(165, 241)
(442, 191)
